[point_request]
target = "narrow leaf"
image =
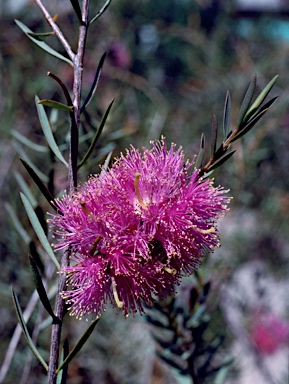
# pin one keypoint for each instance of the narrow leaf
(221, 160)
(40, 289)
(265, 106)
(100, 12)
(62, 376)
(25, 189)
(36, 256)
(38, 229)
(200, 156)
(16, 222)
(56, 105)
(25, 330)
(41, 43)
(171, 362)
(77, 9)
(97, 135)
(226, 116)
(64, 89)
(260, 99)
(79, 344)
(214, 136)
(40, 36)
(48, 131)
(94, 84)
(24, 156)
(246, 101)
(40, 185)
(249, 126)
(29, 143)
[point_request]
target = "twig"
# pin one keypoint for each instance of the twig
(77, 87)
(56, 29)
(72, 179)
(56, 328)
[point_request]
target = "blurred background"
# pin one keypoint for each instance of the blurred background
(169, 65)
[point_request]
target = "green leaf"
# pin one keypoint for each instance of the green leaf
(250, 125)
(48, 131)
(25, 189)
(41, 290)
(41, 43)
(94, 84)
(77, 9)
(260, 99)
(56, 105)
(221, 160)
(40, 36)
(265, 106)
(79, 344)
(24, 156)
(29, 143)
(100, 12)
(200, 156)
(214, 136)
(16, 222)
(246, 101)
(62, 376)
(97, 135)
(36, 256)
(38, 229)
(25, 330)
(46, 193)
(226, 116)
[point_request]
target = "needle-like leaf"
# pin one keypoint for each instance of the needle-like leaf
(56, 105)
(38, 229)
(79, 344)
(94, 84)
(25, 330)
(41, 290)
(226, 116)
(41, 43)
(100, 12)
(246, 101)
(97, 135)
(48, 131)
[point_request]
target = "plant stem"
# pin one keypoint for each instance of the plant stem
(56, 328)
(77, 87)
(56, 29)
(72, 180)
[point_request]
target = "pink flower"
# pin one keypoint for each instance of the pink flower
(135, 228)
(269, 333)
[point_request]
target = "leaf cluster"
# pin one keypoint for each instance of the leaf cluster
(249, 114)
(180, 332)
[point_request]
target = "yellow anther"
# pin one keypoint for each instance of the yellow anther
(204, 231)
(171, 271)
(119, 303)
(137, 191)
(83, 206)
(94, 245)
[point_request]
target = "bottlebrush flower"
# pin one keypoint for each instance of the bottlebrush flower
(135, 228)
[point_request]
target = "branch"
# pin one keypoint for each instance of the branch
(56, 29)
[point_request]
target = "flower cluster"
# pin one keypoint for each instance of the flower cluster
(135, 228)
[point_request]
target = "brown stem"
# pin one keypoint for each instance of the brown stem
(77, 87)
(72, 179)
(56, 29)
(56, 328)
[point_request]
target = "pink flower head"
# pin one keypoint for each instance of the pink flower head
(135, 228)
(269, 333)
